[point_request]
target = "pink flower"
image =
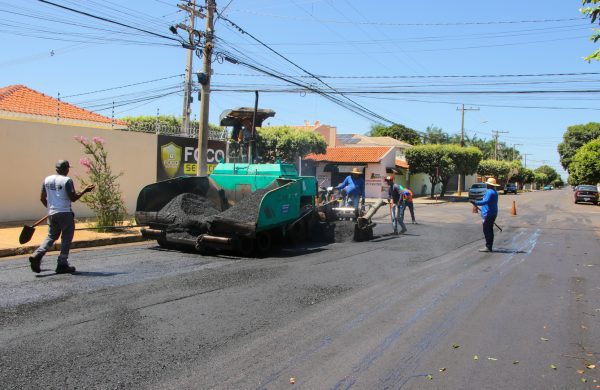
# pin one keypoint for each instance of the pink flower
(81, 139)
(98, 140)
(86, 162)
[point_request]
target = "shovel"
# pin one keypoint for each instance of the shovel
(28, 231)
(476, 209)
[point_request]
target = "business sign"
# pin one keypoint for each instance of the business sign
(178, 156)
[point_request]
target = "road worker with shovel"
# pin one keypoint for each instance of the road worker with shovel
(58, 192)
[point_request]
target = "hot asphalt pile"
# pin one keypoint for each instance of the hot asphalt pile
(189, 215)
(246, 210)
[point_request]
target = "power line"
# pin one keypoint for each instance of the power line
(400, 24)
(108, 20)
(123, 86)
(431, 76)
(364, 109)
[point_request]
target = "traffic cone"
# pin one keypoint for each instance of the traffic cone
(513, 211)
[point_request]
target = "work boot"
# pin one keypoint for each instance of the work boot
(35, 262)
(64, 269)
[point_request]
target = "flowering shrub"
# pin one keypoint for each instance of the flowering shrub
(106, 201)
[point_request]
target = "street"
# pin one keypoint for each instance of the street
(425, 310)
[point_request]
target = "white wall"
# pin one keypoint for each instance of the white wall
(323, 178)
(28, 152)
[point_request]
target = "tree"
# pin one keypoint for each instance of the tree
(396, 131)
(435, 135)
(540, 178)
(593, 12)
(165, 123)
(500, 170)
(287, 143)
(558, 182)
(550, 173)
(465, 160)
(523, 176)
(585, 167)
(107, 201)
(574, 138)
(433, 160)
(426, 159)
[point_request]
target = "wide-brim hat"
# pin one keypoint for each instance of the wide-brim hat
(492, 182)
(356, 171)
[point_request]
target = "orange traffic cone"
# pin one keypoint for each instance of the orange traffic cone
(513, 211)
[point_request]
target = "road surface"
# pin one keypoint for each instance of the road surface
(424, 310)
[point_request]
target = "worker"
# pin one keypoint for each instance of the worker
(408, 200)
(57, 194)
(397, 204)
(489, 212)
(354, 185)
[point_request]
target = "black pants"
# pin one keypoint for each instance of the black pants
(411, 209)
(488, 230)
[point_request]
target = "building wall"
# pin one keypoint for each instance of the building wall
(29, 150)
(323, 178)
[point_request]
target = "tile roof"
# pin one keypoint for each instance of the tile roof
(371, 154)
(363, 140)
(401, 163)
(23, 100)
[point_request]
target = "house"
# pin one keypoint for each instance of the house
(376, 162)
(37, 130)
(18, 102)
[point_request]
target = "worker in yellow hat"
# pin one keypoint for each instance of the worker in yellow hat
(489, 212)
(354, 185)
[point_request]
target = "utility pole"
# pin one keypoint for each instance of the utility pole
(211, 5)
(187, 93)
(462, 109)
(525, 157)
(496, 135)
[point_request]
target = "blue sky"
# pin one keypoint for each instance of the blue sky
(359, 49)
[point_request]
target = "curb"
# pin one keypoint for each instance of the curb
(22, 250)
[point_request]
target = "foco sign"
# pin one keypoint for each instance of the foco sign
(178, 156)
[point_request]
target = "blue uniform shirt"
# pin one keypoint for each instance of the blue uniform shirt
(489, 203)
(353, 186)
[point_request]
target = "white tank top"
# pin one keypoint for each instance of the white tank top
(57, 195)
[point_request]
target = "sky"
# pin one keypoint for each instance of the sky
(518, 66)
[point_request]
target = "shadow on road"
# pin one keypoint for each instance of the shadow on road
(83, 273)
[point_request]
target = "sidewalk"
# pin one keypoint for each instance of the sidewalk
(9, 238)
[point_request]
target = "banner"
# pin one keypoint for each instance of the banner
(178, 156)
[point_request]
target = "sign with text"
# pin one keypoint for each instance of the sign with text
(178, 156)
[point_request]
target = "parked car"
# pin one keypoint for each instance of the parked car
(586, 193)
(477, 191)
(510, 188)
(547, 187)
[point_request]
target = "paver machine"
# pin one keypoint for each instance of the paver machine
(240, 206)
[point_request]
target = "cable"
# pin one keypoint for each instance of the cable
(108, 20)
(373, 114)
(417, 24)
(123, 86)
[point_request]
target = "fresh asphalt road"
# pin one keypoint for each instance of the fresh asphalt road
(408, 312)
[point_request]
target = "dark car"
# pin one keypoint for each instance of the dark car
(477, 191)
(510, 188)
(586, 193)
